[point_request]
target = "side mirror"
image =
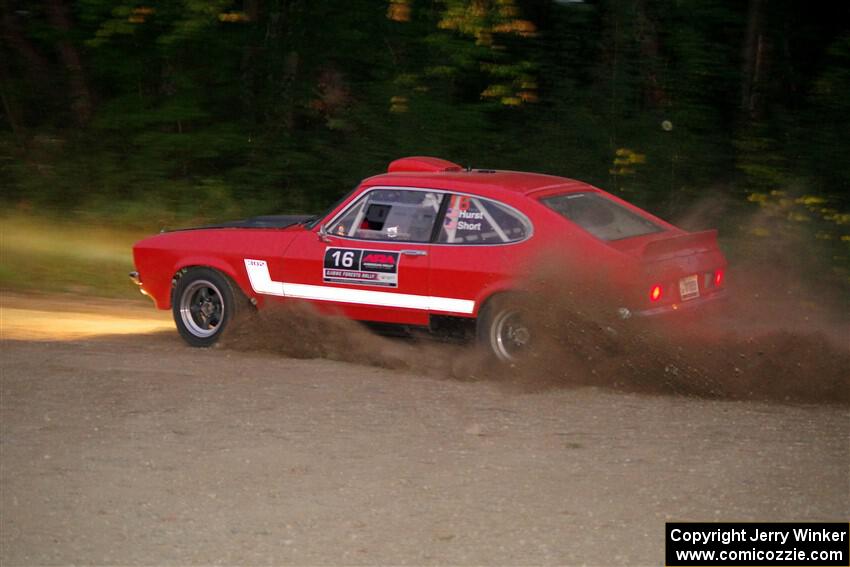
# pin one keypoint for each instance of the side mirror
(322, 234)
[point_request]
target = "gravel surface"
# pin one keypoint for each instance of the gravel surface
(135, 449)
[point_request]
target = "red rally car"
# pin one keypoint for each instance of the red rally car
(430, 244)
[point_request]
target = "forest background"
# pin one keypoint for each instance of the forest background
(140, 115)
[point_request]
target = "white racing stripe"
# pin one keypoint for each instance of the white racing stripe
(261, 282)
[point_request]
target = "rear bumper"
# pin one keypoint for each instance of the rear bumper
(703, 302)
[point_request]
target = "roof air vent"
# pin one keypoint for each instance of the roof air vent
(422, 164)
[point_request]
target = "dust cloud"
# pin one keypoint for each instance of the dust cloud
(783, 335)
(298, 331)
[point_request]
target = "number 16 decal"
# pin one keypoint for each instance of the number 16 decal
(361, 267)
(344, 258)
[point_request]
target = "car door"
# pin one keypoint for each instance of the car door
(371, 261)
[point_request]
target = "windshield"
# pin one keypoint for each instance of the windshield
(314, 220)
(600, 216)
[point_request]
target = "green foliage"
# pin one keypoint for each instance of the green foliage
(222, 108)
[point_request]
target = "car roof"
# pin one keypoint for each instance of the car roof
(479, 181)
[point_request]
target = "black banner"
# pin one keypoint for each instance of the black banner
(757, 544)
(361, 267)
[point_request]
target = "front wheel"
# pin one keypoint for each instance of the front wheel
(506, 329)
(204, 302)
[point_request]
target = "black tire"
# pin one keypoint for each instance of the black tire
(506, 329)
(203, 303)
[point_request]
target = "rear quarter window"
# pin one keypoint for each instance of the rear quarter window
(473, 220)
(600, 216)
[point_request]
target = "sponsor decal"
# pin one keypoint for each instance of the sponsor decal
(361, 267)
(466, 216)
(463, 216)
(471, 215)
(380, 261)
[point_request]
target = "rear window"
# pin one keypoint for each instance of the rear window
(600, 216)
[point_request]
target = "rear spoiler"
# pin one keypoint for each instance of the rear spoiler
(681, 245)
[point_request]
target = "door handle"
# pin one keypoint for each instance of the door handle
(414, 252)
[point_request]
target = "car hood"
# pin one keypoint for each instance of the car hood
(267, 221)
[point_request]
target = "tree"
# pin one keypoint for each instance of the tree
(80, 93)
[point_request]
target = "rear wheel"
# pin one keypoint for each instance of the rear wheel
(506, 329)
(203, 304)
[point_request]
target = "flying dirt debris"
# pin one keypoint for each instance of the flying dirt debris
(780, 365)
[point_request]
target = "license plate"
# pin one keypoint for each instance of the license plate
(689, 288)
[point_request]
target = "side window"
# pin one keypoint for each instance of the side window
(390, 214)
(472, 220)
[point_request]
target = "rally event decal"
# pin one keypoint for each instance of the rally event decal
(361, 267)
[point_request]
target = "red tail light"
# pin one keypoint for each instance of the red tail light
(655, 293)
(718, 278)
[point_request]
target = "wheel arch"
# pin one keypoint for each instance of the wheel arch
(219, 266)
(500, 294)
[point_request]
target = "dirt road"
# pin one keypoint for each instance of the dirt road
(134, 449)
